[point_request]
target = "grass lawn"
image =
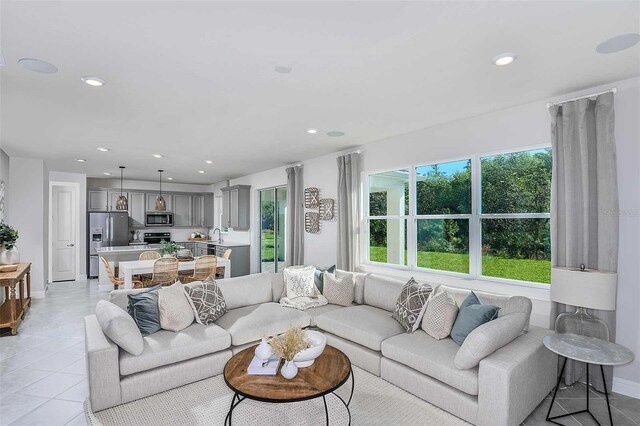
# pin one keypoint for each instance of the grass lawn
(516, 269)
(266, 243)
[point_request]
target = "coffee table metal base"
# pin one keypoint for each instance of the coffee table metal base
(237, 399)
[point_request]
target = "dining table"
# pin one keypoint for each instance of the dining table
(138, 267)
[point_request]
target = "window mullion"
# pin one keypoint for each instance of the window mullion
(475, 238)
(412, 243)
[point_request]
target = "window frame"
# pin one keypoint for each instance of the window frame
(475, 219)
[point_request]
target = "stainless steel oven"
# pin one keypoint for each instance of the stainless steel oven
(158, 219)
(154, 238)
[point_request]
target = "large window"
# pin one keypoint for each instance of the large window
(273, 205)
(481, 216)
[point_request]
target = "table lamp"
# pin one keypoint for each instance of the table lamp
(584, 289)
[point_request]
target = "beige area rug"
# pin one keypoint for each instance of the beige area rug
(375, 402)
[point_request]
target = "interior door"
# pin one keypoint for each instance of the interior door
(63, 233)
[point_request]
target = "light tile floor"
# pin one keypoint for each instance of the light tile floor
(43, 378)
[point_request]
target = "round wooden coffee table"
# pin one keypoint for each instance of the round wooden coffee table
(330, 371)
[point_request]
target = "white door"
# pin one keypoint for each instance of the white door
(63, 233)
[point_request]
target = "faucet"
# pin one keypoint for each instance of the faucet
(219, 234)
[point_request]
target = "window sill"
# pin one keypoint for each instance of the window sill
(540, 292)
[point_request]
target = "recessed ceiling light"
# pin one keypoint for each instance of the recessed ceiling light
(106, 174)
(158, 155)
(312, 131)
(200, 171)
(335, 134)
(505, 58)
(208, 161)
(81, 160)
(38, 66)
(93, 81)
(283, 69)
(618, 43)
(103, 149)
(169, 178)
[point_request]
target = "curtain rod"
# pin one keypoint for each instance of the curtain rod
(352, 152)
(612, 90)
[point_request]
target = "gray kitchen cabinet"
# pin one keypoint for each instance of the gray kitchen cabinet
(240, 257)
(225, 210)
(208, 211)
(189, 246)
(198, 210)
(182, 210)
(201, 249)
(137, 209)
(151, 201)
(236, 206)
(97, 200)
(113, 199)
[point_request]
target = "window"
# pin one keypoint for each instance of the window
(273, 207)
(482, 216)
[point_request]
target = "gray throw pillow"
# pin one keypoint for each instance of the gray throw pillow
(206, 300)
(118, 326)
(318, 277)
(488, 338)
(410, 304)
(471, 315)
(143, 308)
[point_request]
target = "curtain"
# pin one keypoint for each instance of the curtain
(349, 210)
(295, 217)
(584, 203)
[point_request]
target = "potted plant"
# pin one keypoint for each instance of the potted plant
(168, 248)
(9, 254)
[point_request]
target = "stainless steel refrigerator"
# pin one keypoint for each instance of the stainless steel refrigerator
(106, 229)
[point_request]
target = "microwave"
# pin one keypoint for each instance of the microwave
(158, 219)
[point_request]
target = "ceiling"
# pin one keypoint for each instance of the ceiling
(195, 81)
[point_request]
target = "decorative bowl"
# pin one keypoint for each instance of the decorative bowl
(184, 253)
(307, 357)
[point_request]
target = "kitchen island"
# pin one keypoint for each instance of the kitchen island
(114, 256)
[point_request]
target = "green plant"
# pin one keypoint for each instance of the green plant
(8, 236)
(168, 247)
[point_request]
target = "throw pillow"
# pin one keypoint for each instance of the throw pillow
(440, 315)
(410, 304)
(338, 291)
(118, 326)
(143, 307)
(319, 276)
(299, 281)
(488, 338)
(175, 310)
(471, 315)
(207, 301)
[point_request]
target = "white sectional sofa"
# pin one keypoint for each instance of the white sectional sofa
(502, 390)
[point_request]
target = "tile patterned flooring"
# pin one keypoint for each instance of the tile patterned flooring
(43, 373)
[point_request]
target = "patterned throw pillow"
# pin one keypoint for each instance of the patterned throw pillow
(338, 291)
(207, 301)
(440, 315)
(175, 310)
(299, 281)
(410, 304)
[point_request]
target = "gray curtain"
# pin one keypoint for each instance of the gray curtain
(348, 211)
(295, 217)
(584, 202)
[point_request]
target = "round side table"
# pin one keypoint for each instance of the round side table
(590, 351)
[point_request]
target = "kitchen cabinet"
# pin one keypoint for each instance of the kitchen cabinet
(236, 207)
(201, 249)
(189, 246)
(113, 199)
(183, 210)
(151, 201)
(202, 210)
(97, 200)
(240, 256)
(137, 209)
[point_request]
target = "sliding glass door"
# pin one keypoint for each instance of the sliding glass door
(273, 208)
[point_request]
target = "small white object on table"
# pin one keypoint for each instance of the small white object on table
(139, 267)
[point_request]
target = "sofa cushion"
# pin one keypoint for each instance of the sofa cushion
(118, 326)
(382, 292)
(365, 325)
(318, 277)
(143, 307)
(206, 301)
(246, 290)
(300, 281)
(167, 347)
(320, 310)
(277, 286)
(251, 323)
(411, 304)
(175, 310)
(472, 314)
(358, 280)
(432, 357)
(440, 315)
(338, 291)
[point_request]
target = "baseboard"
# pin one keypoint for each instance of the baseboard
(626, 387)
(82, 277)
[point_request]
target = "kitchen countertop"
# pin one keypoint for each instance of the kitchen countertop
(215, 242)
(124, 249)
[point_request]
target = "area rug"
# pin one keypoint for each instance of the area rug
(375, 402)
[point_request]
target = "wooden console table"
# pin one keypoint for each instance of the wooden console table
(14, 307)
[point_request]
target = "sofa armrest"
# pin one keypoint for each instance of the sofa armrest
(515, 379)
(103, 370)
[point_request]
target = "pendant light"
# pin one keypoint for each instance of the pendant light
(161, 204)
(122, 203)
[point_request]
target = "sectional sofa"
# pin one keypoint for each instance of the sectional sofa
(502, 390)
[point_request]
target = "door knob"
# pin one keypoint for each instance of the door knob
(70, 245)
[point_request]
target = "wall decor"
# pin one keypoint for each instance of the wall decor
(312, 222)
(327, 209)
(312, 198)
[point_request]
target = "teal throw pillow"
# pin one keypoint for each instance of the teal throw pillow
(318, 277)
(472, 314)
(143, 308)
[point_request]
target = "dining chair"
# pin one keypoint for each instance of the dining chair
(117, 282)
(149, 255)
(204, 267)
(220, 269)
(165, 272)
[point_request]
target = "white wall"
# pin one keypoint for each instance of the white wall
(4, 177)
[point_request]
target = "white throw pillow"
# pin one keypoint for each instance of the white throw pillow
(176, 312)
(299, 281)
(120, 327)
(338, 291)
(439, 315)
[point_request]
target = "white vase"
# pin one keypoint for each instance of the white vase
(264, 350)
(289, 370)
(9, 257)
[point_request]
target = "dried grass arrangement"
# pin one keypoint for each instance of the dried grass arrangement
(287, 345)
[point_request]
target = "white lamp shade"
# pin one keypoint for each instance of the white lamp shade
(587, 289)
